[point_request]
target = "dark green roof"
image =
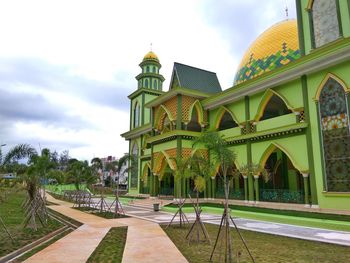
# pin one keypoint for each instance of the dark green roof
(194, 78)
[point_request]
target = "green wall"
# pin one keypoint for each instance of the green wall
(326, 200)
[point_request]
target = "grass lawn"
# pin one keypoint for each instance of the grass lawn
(264, 247)
(111, 247)
(96, 212)
(59, 189)
(12, 214)
(295, 218)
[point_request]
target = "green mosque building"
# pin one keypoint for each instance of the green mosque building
(288, 111)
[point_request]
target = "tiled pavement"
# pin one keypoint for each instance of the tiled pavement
(143, 228)
(77, 246)
(307, 233)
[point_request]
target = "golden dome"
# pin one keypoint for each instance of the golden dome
(150, 55)
(275, 47)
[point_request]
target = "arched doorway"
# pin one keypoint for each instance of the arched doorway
(286, 184)
(166, 182)
(236, 185)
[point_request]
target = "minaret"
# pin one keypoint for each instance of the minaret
(150, 84)
(150, 77)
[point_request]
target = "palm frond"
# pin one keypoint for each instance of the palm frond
(19, 152)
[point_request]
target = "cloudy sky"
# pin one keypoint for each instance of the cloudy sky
(67, 66)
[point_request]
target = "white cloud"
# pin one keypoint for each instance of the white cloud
(96, 47)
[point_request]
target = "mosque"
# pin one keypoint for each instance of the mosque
(287, 111)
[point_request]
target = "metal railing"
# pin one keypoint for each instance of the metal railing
(282, 196)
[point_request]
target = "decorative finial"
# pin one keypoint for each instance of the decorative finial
(151, 46)
(286, 11)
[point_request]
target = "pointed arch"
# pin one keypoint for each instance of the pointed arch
(145, 171)
(220, 114)
(133, 145)
(265, 99)
(144, 142)
(161, 114)
(271, 148)
(137, 114)
(161, 161)
(198, 107)
(325, 80)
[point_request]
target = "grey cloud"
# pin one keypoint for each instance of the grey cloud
(37, 73)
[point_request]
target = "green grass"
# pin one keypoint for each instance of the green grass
(96, 212)
(13, 215)
(59, 189)
(315, 215)
(301, 219)
(264, 247)
(111, 247)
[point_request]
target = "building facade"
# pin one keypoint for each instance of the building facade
(287, 111)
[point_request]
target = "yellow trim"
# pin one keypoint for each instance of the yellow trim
(309, 5)
(271, 148)
(160, 158)
(324, 81)
(200, 112)
(144, 171)
(336, 194)
(221, 113)
(162, 109)
(265, 100)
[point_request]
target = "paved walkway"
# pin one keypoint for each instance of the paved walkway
(79, 245)
(300, 232)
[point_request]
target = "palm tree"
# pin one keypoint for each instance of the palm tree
(16, 153)
(116, 167)
(223, 157)
(200, 170)
(96, 165)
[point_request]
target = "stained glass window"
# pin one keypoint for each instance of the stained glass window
(134, 167)
(325, 21)
(334, 120)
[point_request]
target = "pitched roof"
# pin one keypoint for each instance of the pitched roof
(195, 78)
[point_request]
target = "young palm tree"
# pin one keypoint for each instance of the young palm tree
(223, 157)
(18, 152)
(116, 167)
(200, 171)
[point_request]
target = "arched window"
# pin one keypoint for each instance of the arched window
(193, 125)
(134, 166)
(137, 115)
(167, 125)
(154, 69)
(227, 122)
(325, 21)
(155, 84)
(274, 108)
(334, 118)
(146, 83)
(147, 69)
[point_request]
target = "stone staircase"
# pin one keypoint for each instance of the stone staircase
(147, 203)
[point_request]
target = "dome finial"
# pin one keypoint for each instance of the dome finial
(151, 46)
(286, 11)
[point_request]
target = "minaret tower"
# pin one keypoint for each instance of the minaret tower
(150, 85)
(150, 77)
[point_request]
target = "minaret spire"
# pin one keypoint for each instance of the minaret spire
(286, 11)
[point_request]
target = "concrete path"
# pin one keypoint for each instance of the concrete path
(300, 232)
(79, 245)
